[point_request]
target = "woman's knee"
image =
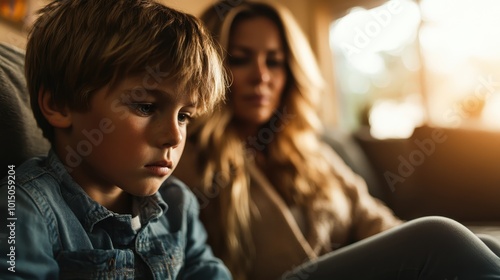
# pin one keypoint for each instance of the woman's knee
(492, 243)
(436, 221)
(438, 228)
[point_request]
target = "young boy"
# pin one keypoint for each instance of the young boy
(113, 85)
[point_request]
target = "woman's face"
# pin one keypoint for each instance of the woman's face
(258, 64)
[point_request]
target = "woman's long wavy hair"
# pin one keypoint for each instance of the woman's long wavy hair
(299, 171)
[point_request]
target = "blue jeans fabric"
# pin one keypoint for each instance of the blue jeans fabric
(426, 248)
(61, 233)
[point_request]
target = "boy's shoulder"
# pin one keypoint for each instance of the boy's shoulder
(24, 175)
(35, 183)
(175, 182)
(177, 194)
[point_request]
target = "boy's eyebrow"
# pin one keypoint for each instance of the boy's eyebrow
(164, 95)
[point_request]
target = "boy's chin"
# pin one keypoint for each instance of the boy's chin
(145, 194)
(143, 187)
(149, 191)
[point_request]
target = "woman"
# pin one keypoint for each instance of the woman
(272, 194)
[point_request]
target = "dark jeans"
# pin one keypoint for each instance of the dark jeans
(424, 248)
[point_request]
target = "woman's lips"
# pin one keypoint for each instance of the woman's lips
(257, 100)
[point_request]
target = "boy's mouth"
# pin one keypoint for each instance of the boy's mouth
(160, 168)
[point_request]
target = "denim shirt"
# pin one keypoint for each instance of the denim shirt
(56, 231)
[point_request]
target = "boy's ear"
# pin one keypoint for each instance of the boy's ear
(59, 117)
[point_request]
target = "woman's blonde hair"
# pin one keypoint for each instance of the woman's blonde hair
(299, 171)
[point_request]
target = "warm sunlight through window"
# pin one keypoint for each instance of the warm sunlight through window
(378, 66)
(406, 62)
(460, 44)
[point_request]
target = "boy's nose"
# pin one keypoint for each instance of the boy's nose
(170, 135)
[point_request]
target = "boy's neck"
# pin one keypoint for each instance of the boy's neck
(123, 204)
(117, 200)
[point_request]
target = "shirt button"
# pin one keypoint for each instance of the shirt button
(111, 262)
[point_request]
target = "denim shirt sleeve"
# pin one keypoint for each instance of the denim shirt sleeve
(28, 249)
(200, 263)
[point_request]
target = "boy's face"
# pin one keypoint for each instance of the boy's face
(130, 139)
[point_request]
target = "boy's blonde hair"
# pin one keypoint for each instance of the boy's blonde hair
(77, 47)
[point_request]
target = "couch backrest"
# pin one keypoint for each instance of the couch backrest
(20, 136)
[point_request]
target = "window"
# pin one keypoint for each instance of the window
(406, 63)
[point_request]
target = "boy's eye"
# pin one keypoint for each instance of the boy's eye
(183, 118)
(144, 109)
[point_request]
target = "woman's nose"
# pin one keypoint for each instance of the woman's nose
(261, 71)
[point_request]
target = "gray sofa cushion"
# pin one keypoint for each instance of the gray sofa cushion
(347, 147)
(21, 138)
